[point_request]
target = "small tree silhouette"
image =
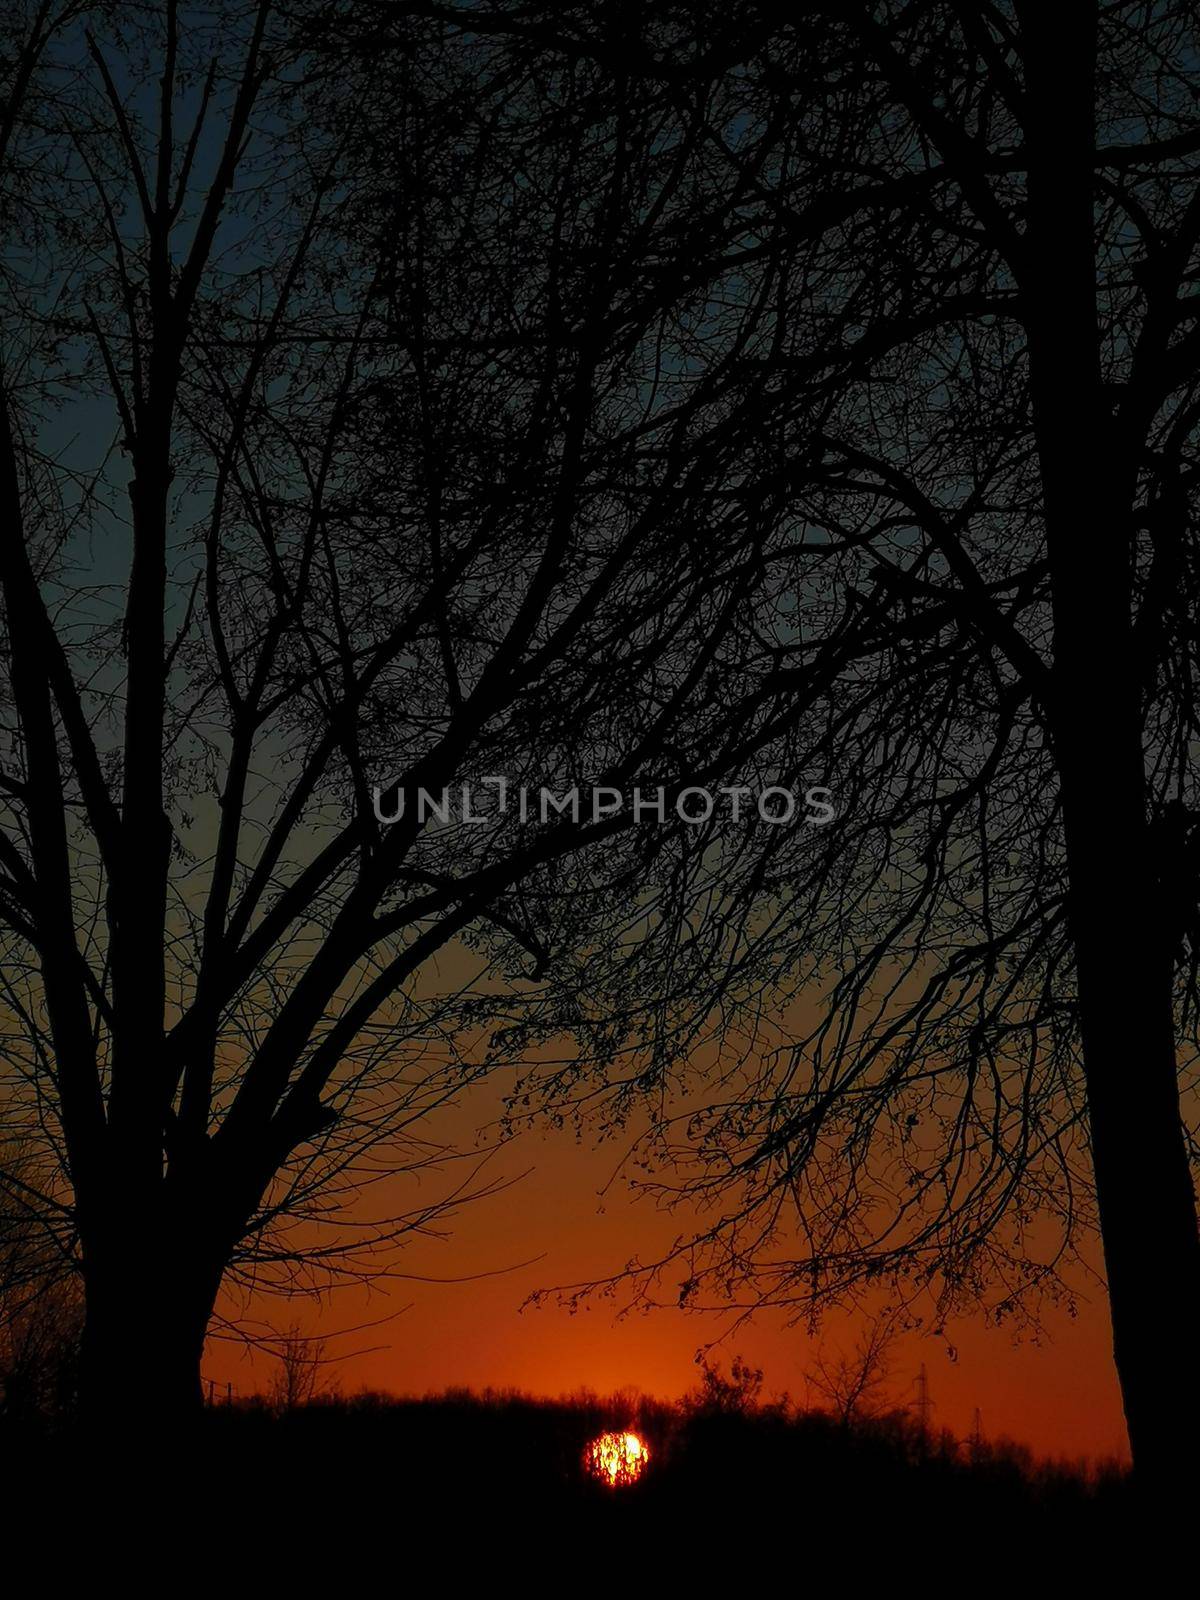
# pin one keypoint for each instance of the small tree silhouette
(717, 1395)
(300, 1377)
(854, 1385)
(41, 1299)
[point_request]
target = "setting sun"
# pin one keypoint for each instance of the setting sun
(617, 1458)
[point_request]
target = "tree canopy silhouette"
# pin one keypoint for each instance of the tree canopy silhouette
(981, 226)
(621, 398)
(351, 453)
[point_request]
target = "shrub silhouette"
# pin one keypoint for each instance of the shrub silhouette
(722, 1463)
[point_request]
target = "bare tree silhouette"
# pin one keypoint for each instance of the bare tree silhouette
(854, 1383)
(41, 1307)
(300, 1376)
(984, 226)
(737, 1395)
(618, 399)
(371, 431)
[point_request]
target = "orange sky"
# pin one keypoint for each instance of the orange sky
(1060, 1396)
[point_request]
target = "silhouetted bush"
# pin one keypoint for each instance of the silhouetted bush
(724, 1470)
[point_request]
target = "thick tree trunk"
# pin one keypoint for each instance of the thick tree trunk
(1143, 1178)
(1124, 951)
(143, 1339)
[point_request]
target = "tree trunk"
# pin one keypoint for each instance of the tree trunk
(1124, 957)
(1124, 954)
(143, 1339)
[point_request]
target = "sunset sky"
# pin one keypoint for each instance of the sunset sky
(577, 575)
(1059, 1395)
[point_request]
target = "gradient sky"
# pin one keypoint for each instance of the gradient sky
(1058, 1394)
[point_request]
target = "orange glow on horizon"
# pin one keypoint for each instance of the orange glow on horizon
(465, 1327)
(617, 1459)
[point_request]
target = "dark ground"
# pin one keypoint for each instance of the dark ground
(496, 1482)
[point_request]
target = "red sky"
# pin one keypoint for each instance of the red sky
(1058, 1394)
